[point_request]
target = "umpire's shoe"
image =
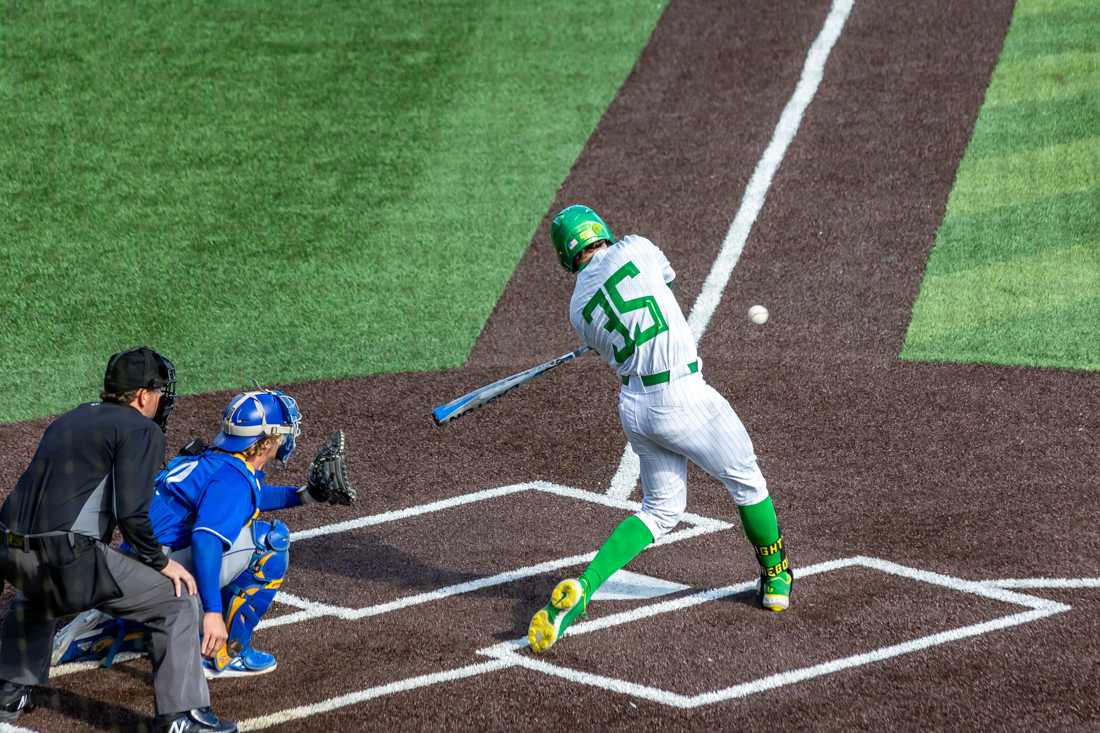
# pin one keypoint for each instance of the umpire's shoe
(14, 701)
(199, 720)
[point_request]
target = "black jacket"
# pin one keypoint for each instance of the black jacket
(93, 471)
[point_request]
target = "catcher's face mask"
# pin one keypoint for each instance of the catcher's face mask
(293, 419)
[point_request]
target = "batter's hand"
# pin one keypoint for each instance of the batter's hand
(179, 575)
(214, 634)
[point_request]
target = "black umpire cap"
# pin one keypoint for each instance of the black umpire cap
(140, 368)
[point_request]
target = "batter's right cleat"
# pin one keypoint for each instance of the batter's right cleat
(568, 600)
(199, 720)
(15, 699)
(775, 593)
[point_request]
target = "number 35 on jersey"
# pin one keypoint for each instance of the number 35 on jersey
(622, 312)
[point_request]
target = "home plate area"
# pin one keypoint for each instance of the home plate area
(856, 610)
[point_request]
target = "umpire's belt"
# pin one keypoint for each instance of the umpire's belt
(661, 377)
(31, 542)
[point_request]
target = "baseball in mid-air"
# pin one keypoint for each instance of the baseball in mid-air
(758, 314)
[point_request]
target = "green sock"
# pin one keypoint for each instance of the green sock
(625, 543)
(762, 529)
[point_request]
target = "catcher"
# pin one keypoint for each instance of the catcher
(205, 511)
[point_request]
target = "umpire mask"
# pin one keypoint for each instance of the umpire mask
(143, 368)
(167, 393)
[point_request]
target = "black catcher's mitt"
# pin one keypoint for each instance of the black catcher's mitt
(328, 474)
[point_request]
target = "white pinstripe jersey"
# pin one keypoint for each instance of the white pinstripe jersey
(623, 308)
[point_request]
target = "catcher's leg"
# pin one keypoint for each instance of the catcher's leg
(247, 598)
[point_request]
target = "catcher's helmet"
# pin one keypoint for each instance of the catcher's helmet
(574, 228)
(253, 415)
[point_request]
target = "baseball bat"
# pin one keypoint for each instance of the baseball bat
(482, 396)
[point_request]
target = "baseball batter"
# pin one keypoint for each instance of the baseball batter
(623, 307)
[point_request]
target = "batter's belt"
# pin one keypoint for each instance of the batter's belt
(661, 377)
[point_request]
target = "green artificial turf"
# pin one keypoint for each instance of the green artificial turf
(280, 190)
(1014, 277)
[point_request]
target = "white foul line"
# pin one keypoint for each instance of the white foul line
(626, 478)
(305, 711)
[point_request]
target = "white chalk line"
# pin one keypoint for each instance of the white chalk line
(1039, 608)
(72, 667)
(308, 610)
(1052, 583)
(9, 728)
(305, 711)
(435, 506)
(314, 609)
(626, 478)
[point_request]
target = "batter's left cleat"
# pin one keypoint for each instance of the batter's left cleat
(567, 601)
(775, 593)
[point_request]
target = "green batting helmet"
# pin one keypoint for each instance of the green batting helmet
(574, 228)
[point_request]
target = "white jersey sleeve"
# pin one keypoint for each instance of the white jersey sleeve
(623, 308)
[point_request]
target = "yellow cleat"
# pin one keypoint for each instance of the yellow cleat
(775, 593)
(566, 594)
(567, 601)
(541, 634)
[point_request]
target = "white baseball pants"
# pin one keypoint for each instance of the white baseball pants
(672, 423)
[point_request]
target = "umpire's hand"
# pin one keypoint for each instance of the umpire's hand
(178, 574)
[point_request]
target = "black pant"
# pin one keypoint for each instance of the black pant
(148, 597)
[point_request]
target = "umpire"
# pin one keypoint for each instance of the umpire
(93, 471)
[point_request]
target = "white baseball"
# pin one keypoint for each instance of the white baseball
(758, 314)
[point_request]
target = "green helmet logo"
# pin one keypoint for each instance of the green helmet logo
(574, 228)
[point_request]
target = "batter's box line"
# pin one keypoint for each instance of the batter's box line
(1039, 608)
(309, 609)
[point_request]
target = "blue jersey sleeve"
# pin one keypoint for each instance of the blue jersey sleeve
(206, 556)
(278, 497)
(224, 508)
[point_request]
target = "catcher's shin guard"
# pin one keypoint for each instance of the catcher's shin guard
(248, 597)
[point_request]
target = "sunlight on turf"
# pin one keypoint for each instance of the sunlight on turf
(1014, 277)
(285, 191)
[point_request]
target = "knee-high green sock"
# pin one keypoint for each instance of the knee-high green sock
(625, 543)
(762, 529)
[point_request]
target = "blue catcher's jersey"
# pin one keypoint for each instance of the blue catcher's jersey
(212, 492)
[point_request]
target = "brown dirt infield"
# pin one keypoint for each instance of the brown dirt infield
(974, 472)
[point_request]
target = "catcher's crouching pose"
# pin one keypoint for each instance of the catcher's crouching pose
(205, 512)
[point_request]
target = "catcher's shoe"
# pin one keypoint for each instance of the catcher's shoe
(568, 600)
(775, 593)
(94, 636)
(249, 663)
